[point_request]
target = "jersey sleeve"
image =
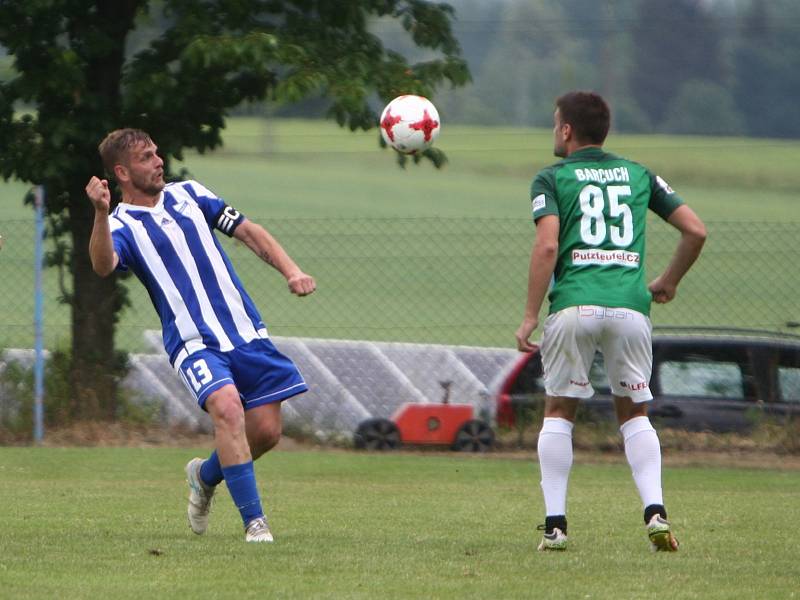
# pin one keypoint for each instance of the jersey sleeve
(543, 195)
(663, 199)
(218, 214)
(122, 246)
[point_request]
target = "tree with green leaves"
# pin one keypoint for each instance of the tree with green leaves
(85, 67)
(766, 59)
(674, 42)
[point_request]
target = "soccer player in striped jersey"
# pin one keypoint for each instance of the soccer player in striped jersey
(590, 211)
(212, 331)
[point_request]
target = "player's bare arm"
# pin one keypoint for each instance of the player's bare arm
(543, 261)
(101, 248)
(693, 236)
(266, 247)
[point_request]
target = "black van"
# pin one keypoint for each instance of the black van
(720, 381)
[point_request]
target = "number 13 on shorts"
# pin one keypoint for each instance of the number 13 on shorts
(198, 374)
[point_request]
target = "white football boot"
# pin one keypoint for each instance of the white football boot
(555, 540)
(200, 496)
(660, 534)
(257, 530)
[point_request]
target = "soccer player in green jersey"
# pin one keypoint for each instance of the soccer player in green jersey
(590, 211)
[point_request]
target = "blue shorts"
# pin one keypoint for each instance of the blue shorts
(261, 374)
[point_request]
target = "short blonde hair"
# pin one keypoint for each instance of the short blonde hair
(114, 148)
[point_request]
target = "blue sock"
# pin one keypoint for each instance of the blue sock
(241, 481)
(211, 470)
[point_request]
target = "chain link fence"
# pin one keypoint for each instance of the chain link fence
(405, 308)
(432, 280)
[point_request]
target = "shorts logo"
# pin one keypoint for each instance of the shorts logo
(602, 312)
(634, 387)
(538, 203)
(578, 383)
(605, 257)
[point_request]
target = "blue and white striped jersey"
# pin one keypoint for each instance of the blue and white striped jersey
(173, 251)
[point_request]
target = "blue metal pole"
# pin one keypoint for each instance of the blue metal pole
(38, 320)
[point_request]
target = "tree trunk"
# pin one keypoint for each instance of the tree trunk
(95, 366)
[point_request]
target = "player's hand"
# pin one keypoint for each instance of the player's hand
(99, 194)
(662, 291)
(301, 284)
(523, 334)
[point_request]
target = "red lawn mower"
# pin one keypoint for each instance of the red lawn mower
(427, 424)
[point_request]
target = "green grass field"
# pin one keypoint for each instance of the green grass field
(441, 256)
(110, 523)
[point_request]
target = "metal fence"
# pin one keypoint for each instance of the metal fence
(430, 280)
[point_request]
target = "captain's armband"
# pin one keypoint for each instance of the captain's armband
(228, 220)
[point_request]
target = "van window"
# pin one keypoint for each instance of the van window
(789, 383)
(710, 379)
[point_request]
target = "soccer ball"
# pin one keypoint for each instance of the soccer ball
(410, 124)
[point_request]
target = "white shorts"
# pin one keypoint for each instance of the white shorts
(573, 335)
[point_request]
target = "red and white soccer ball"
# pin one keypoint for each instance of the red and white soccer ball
(410, 124)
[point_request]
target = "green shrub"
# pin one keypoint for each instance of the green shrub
(60, 409)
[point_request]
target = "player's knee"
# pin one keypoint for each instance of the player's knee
(560, 408)
(264, 438)
(627, 409)
(226, 409)
(559, 413)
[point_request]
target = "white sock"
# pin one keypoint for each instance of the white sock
(555, 462)
(643, 451)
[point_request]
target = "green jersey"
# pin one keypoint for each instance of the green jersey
(601, 201)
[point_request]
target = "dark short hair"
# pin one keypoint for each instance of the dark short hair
(114, 148)
(588, 114)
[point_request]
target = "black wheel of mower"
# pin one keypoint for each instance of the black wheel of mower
(377, 434)
(474, 436)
